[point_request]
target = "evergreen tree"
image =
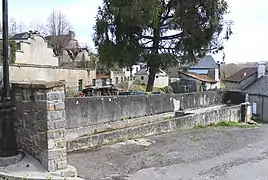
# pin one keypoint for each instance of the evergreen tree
(159, 32)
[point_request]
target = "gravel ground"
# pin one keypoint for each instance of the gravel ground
(199, 154)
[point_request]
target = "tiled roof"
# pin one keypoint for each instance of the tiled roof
(242, 74)
(198, 76)
(206, 62)
(260, 86)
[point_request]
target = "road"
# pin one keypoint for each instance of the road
(201, 154)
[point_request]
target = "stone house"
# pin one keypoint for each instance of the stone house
(244, 77)
(69, 52)
(161, 77)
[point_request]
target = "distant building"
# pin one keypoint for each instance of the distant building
(161, 77)
(204, 66)
(69, 52)
(35, 60)
(241, 79)
(32, 48)
(201, 82)
(258, 92)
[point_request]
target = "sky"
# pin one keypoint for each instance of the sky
(247, 44)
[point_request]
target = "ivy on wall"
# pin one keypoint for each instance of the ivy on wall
(13, 49)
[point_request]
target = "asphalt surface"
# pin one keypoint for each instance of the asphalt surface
(229, 153)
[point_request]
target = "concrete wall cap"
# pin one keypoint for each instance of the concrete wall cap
(37, 84)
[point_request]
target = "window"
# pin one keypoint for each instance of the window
(80, 84)
(116, 80)
(254, 108)
(18, 46)
(142, 78)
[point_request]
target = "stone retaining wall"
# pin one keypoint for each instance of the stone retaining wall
(215, 115)
(83, 112)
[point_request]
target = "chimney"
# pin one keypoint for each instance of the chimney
(71, 35)
(261, 68)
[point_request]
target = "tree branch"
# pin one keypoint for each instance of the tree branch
(171, 36)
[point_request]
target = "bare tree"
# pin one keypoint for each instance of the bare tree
(37, 26)
(57, 31)
(57, 24)
(13, 27)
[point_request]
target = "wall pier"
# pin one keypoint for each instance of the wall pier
(40, 122)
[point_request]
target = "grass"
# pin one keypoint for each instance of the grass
(225, 124)
(196, 139)
(168, 117)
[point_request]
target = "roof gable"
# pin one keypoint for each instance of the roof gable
(242, 74)
(206, 62)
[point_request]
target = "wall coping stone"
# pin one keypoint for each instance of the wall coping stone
(37, 84)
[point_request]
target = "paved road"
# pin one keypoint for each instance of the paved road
(201, 154)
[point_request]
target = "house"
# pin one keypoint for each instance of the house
(204, 66)
(36, 61)
(69, 52)
(32, 48)
(161, 77)
(64, 41)
(241, 79)
(258, 94)
(201, 82)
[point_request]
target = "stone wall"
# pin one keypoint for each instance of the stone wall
(83, 112)
(40, 122)
(199, 119)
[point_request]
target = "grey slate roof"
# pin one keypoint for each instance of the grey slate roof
(206, 62)
(145, 71)
(24, 35)
(260, 86)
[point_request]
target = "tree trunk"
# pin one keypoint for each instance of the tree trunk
(152, 73)
(153, 63)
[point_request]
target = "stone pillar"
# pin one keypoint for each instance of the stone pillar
(40, 110)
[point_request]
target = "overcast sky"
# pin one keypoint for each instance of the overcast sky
(247, 44)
